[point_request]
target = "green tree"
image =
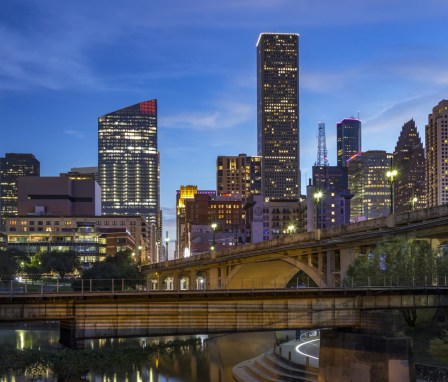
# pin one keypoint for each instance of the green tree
(11, 260)
(399, 263)
(120, 266)
(61, 262)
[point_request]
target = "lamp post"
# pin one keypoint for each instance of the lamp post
(291, 229)
(317, 197)
(391, 175)
(413, 201)
(214, 225)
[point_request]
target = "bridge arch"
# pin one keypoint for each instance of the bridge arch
(269, 274)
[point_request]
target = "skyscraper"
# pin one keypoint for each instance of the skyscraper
(409, 161)
(278, 114)
(238, 175)
(348, 139)
(128, 162)
(436, 142)
(11, 167)
(368, 182)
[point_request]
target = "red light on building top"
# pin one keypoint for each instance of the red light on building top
(149, 107)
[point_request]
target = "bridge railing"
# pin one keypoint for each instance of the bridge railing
(85, 286)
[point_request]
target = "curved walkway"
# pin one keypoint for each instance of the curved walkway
(294, 361)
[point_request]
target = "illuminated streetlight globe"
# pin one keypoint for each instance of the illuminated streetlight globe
(214, 225)
(318, 195)
(392, 174)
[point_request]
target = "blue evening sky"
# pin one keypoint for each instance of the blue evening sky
(64, 63)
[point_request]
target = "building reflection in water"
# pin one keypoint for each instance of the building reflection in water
(210, 362)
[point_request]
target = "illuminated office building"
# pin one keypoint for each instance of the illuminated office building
(332, 208)
(348, 133)
(409, 161)
(12, 166)
(436, 142)
(368, 182)
(78, 173)
(128, 163)
(91, 237)
(238, 175)
(278, 114)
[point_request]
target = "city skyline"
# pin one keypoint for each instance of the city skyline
(64, 65)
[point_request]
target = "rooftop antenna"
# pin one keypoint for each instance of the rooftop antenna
(322, 154)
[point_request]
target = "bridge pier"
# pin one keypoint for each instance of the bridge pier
(377, 352)
(212, 279)
(67, 333)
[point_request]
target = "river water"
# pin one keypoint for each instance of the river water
(212, 363)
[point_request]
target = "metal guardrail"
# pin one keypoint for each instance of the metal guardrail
(20, 286)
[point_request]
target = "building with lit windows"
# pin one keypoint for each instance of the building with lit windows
(332, 207)
(183, 195)
(128, 163)
(58, 195)
(77, 173)
(368, 182)
(211, 221)
(278, 114)
(267, 220)
(409, 161)
(436, 142)
(238, 175)
(13, 166)
(92, 237)
(348, 133)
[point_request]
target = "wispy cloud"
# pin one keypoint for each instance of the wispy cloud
(75, 133)
(227, 115)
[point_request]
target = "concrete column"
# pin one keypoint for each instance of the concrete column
(67, 333)
(176, 281)
(224, 274)
(378, 352)
(348, 256)
(212, 278)
(193, 283)
(320, 262)
(330, 268)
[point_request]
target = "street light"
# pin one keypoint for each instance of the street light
(391, 175)
(291, 228)
(214, 225)
(414, 200)
(317, 197)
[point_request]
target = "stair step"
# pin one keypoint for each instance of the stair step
(269, 368)
(284, 371)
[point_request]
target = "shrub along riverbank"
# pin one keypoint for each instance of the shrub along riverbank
(65, 364)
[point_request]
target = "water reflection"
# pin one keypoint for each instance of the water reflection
(212, 361)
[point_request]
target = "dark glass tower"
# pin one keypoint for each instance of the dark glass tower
(128, 161)
(348, 139)
(409, 161)
(278, 114)
(11, 167)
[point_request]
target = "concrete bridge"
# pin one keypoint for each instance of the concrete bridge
(323, 255)
(102, 315)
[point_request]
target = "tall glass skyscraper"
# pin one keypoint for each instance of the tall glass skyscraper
(348, 139)
(436, 142)
(409, 161)
(128, 162)
(278, 114)
(11, 167)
